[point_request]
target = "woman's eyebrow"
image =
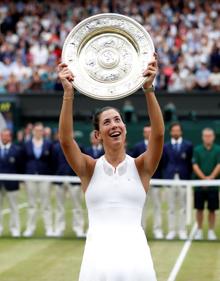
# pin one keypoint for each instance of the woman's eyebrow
(106, 119)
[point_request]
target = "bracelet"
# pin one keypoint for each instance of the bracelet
(68, 98)
(148, 90)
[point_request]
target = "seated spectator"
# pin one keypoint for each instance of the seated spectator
(202, 77)
(215, 56)
(188, 78)
(12, 85)
(176, 83)
(36, 83)
(25, 83)
(214, 79)
(2, 85)
(189, 31)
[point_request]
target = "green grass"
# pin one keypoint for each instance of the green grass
(38, 259)
(201, 263)
(50, 259)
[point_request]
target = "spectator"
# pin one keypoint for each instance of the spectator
(3, 83)
(10, 162)
(142, 145)
(206, 164)
(96, 149)
(25, 83)
(34, 33)
(188, 78)
(138, 149)
(48, 133)
(202, 77)
(215, 56)
(12, 85)
(39, 53)
(20, 138)
(36, 83)
(37, 160)
(214, 79)
(176, 83)
(28, 132)
(61, 167)
(9, 120)
(177, 164)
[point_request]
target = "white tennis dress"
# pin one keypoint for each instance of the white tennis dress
(116, 247)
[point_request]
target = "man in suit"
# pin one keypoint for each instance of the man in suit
(96, 149)
(62, 168)
(155, 192)
(10, 162)
(141, 146)
(177, 164)
(38, 161)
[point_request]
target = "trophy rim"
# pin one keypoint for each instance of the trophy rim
(96, 32)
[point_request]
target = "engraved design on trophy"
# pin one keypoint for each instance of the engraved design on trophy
(108, 58)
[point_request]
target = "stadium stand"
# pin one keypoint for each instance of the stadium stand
(186, 34)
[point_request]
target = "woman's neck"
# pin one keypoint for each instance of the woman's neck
(115, 157)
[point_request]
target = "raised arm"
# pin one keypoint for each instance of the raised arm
(149, 160)
(80, 163)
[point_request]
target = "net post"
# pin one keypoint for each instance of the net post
(188, 203)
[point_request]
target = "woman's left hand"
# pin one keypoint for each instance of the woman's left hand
(150, 72)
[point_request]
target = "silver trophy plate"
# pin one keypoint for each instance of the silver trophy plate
(107, 54)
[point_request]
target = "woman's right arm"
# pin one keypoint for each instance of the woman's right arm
(82, 164)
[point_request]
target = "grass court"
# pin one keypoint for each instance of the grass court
(58, 259)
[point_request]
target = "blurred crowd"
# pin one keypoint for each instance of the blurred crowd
(186, 35)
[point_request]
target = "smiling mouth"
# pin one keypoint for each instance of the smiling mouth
(115, 134)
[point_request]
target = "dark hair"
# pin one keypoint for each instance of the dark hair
(38, 124)
(173, 124)
(98, 112)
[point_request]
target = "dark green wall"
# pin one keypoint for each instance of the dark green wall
(192, 131)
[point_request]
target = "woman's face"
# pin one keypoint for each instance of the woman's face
(112, 130)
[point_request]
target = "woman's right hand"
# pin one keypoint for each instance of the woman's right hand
(66, 77)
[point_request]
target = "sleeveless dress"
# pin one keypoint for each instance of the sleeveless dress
(116, 247)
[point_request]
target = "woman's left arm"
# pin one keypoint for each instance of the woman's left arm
(149, 160)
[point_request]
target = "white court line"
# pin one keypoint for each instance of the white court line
(182, 255)
(21, 206)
